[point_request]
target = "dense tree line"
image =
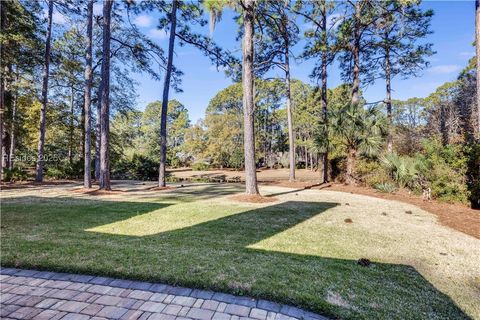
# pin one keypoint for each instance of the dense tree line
(67, 90)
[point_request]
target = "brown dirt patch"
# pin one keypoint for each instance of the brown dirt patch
(456, 216)
(253, 198)
(32, 184)
(161, 188)
(294, 184)
(97, 192)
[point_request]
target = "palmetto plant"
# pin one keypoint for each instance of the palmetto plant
(406, 171)
(356, 130)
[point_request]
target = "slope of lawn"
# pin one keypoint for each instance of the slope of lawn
(298, 250)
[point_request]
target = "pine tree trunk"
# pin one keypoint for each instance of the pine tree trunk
(98, 134)
(356, 55)
(71, 129)
(251, 186)
(87, 180)
(324, 93)
(388, 100)
(105, 105)
(43, 110)
(291, 136)
(166, 88)
(350, 174)
(11, 156)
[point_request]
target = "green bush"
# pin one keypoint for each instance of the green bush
(14, 174)
(139, 167)
(405, 171)
(386, 187)
(66, 170)
(372, 173)
(200, 166)
(54, 173)
(441, 168)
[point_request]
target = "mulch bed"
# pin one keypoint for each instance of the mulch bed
(253, 198)
(160, 188)
(97, 192)
(32, 184)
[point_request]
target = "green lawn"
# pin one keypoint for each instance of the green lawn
(197, 237)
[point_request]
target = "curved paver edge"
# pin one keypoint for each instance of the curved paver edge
(269, 306)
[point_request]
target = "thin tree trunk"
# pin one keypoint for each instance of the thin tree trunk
(11, 156)
(43, 110)
(251, 186)
(351, 159)
(105, 106)
(324, 92)
(265, 142)
(306, 157)
(98, 132)
(388, 100)
(443, 125)
(291, 136)
(166, 88)
(87, 179)
(356, 55)
(72, 129)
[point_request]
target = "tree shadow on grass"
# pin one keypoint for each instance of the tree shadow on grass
(215, 255)
(190, 192)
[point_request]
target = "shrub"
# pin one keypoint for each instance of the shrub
(54, 173)
(139, 167)
(386, 187)
(405, 171)
(14, 174)
(200, 166)
(371, 172)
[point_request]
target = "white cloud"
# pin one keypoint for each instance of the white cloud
(143, 21)
(444, 69)
(467, 54)
(158, 34)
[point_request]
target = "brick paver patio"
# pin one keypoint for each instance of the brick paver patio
(30, 294)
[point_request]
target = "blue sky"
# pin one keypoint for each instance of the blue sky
(452, 24)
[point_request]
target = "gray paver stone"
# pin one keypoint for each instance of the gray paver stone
(139, 294)
(201, 314)
(75, 316)
(132, 315)
(161, 316)
(151, 306)
(221, 316)
(184, 301)
(73, 306)
(258, 314)
(112, 312)
(237, 310)
(172, 309)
